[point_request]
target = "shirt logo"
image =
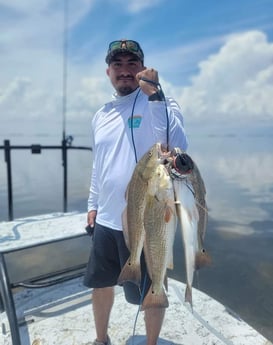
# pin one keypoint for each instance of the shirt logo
(134, 121)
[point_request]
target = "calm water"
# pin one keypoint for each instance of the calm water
(238, 172)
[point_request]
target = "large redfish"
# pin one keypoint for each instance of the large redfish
(133, 215)
(160, 226)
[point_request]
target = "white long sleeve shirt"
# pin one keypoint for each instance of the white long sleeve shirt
(117, 128)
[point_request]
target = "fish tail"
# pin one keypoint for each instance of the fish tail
(188, 294)
(130, 272)
(154, 300)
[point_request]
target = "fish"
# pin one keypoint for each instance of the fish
(199, 189)
(187, 168)
(188, 219)
(157, 198)
(133, 215)
(160, 227)
(192, 212)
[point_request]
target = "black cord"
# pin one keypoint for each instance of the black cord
(139, 307)
(132, 127)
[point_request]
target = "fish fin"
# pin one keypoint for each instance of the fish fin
(168, 214)
(202, 259)
(130, 273)
(188, 294)
(153, 300)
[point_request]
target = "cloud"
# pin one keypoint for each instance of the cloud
(21, 100)
(32, 57)
(92, 93)
(33, 34)
(234, 84)
(134, 6)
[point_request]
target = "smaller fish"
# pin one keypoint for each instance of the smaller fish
(191, 209)
(181, 166)
(188, 215)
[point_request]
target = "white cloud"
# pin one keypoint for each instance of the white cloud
(21, 100)
(32, 57)
(136, 6)
(235, 83)
(92, 93)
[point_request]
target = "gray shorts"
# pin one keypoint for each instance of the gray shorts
(107, 257)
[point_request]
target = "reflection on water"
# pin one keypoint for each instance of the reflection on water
(239, 180)
(240, 276)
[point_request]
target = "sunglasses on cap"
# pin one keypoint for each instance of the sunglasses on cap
(120, 46)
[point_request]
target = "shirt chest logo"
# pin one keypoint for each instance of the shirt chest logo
(134, 121)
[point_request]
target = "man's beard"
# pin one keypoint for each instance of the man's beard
(125, 90)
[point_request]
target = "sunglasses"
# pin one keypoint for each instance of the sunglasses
(129, 45)
(124, 44)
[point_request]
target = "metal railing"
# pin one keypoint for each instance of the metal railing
(66, 145)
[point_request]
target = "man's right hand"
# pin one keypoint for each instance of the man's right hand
(91, 217)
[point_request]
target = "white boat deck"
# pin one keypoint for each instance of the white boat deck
(62, 314)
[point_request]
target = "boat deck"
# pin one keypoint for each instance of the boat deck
(62, 313)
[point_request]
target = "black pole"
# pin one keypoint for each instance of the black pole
(9, 177)
(64, 154)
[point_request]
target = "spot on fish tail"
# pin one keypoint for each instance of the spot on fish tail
(154, 300)
(202, 259)
(130, 272)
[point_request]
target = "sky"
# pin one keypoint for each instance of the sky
(214, 57)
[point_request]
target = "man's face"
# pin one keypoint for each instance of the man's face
(122, 71)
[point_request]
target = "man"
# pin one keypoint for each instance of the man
(123, 130)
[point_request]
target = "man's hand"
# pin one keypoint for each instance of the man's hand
(91, 216)
(148, 87)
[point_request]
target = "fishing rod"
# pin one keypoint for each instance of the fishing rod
(64, 103)
(65, 46)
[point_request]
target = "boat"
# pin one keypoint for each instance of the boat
(57, 308)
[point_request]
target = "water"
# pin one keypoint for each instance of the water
(238, 173)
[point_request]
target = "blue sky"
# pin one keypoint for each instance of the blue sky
(214, 57)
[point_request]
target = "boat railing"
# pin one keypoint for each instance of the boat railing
(41, 263)
(66, 144)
